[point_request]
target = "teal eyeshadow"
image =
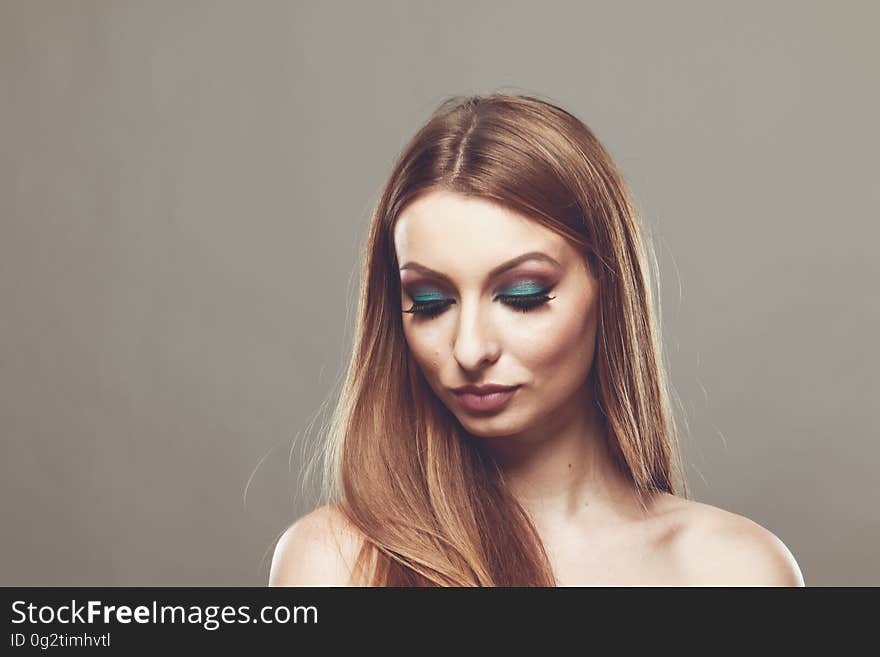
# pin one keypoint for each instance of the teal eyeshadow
(427, 296)
(523, 288)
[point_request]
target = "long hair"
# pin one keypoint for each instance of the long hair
(432, 505)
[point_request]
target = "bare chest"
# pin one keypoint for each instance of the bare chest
(617, 570)
(638, 559)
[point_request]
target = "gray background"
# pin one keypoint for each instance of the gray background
(185, 186)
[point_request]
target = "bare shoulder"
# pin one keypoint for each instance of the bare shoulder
(714, 547)
(319, 549)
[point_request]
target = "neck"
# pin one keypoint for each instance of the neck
(562, 472)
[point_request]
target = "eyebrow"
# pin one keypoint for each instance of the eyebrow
(500, 269)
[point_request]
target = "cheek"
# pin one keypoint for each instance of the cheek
(424, 345)
(563, 349)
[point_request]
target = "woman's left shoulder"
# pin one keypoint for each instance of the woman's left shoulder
(715, 547)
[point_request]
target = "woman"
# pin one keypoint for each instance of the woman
(505, 420)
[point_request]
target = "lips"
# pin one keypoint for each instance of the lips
(485, 398)
(484, 389)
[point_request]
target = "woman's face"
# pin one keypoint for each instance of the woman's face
(455, 254)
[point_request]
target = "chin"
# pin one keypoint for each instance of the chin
(494, 426)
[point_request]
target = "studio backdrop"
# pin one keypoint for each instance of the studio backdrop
(184, 194)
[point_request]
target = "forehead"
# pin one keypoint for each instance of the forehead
(445, 230)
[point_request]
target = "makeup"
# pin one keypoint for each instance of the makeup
(492, 402)
(522, 295)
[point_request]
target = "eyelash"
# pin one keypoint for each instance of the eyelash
(521, 302)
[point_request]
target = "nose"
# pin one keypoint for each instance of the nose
(474, 343)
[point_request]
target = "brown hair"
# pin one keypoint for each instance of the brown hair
(433, 506)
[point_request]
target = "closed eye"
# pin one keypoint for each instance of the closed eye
(525, 302)
(521, 302)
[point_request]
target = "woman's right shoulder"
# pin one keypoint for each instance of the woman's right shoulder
(319, 549)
